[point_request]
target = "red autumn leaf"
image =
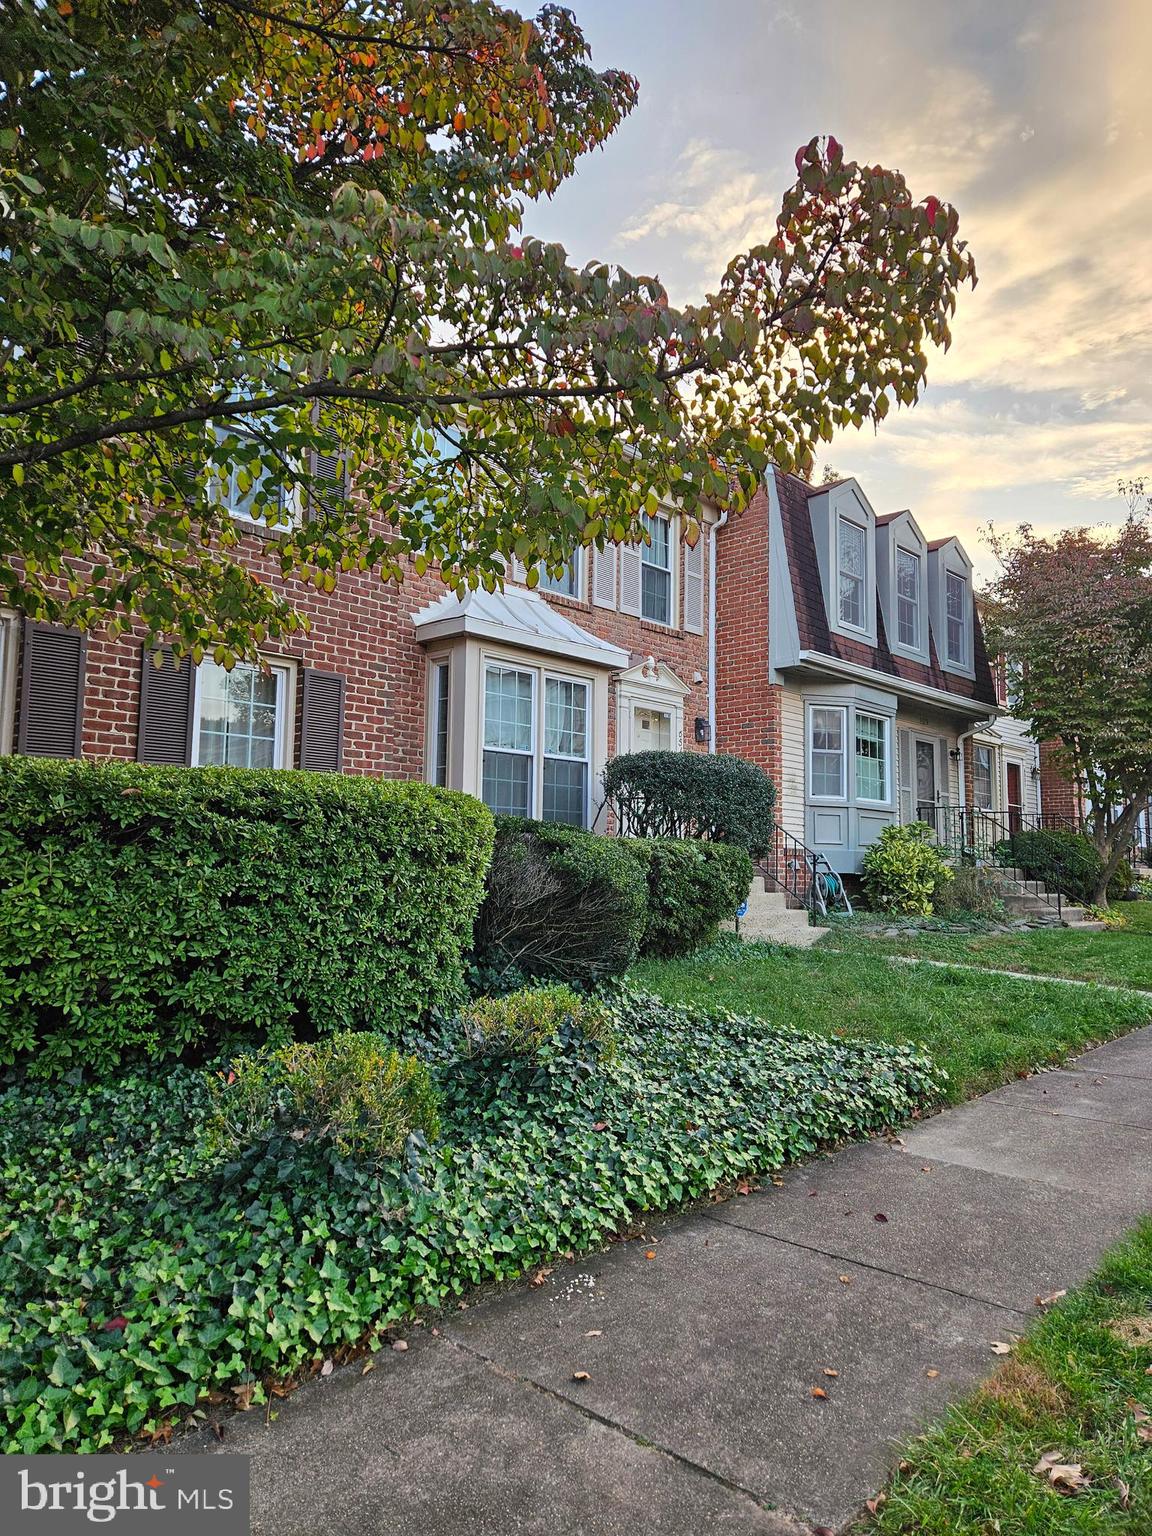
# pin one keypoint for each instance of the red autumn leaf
(879, 1216)
(115, 1324)
(932, 208)
(601, 1125)
(800, 154)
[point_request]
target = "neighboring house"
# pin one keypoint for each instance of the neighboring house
(517, 697)
(851, 666)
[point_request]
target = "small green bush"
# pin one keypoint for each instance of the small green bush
(533, 1022)
(561, 904)
(150, 910)
(354, 1088)
(1065, 860)
(902, 870)
(692, 886)
(972, 893)
(711, 795)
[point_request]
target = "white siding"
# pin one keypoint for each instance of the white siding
(926, 724)
(791, 791)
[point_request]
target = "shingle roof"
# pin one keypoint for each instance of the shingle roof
(812, 617)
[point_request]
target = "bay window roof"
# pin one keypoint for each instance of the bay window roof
(519, 618)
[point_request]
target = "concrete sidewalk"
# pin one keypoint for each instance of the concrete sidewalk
(881, 1264)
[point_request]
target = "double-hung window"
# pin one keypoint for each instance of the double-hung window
(872, 758)
(956, 617)
(569, 583)
(656, 571)
(241, 717)
(509, 740)
(852, 572)
(907, 598)
(535, 766)
(826, 774)
(245, 489)
(440, 673)
(982, 778)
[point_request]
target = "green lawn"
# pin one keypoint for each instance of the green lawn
(1072, 1387)
(983, 1029)
(1121, 955)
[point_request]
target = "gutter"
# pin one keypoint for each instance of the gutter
(937, 697)
(713, 530)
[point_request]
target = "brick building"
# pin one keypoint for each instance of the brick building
(839, 650)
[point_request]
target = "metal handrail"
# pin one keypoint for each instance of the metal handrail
(803, 874)
(969, 833)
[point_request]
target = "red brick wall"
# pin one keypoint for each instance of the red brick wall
(363, 630)
(747, 703)
(1059, 795)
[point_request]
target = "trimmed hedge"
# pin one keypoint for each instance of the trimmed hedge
(151, 909)
(692, 795)
(692, 886)
(561, 903)
(141, 1270)
(1065, 860)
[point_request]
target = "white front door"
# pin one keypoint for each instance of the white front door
(651, 729)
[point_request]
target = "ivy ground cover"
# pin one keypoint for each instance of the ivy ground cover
(143, 1268)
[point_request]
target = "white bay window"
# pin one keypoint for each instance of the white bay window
(533, 766)
(826, 777)
(872, 758)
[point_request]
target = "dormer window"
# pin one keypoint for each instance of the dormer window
(852, 572)
(956, 613)
(908, 588)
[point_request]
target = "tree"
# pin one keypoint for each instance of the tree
(1075, 612)
(251, 236)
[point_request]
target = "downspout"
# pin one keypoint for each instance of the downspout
(964, 736)
(712, 532)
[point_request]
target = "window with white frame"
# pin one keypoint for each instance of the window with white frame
(241, 716)
(440, 723)
(656, 571)
(852, 572)
(570, 582)
(872, 758)
(245, 487)
(509, 740)
(982, 780)
(529, 763)
(826, 776)
(7, 680)
(956, 616)
(907, 598)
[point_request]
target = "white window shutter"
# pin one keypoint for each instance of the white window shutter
(694, 586)
(907, 770)
(630, 592)
(604, 576)
(514, 569)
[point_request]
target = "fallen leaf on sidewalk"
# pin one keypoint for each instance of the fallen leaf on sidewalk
(932, 1374)
(369, 1365)
(581, 1376)
(540, 1276)
(326, 1368)
(828, 1371)
(879, 1216)
(651, 1254)
(1000, 1348)
(845, 1279)
(874, 1506)
(594, 1333)
(1049, 1301)
(819, 1392)
(925, 1169)
(400, 1345)
(1067, 1476)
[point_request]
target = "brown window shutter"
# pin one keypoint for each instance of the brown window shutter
(51, 691)
(322, 722)
(166, 693)
(329, 491)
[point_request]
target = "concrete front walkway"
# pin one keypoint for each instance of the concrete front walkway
(894, 1267)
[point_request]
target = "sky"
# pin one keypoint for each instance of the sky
(1030, 116)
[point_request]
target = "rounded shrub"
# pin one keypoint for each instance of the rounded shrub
(149, 910)
(692, 795)
(561, 903)
(353, 1088)
(902, 870)
(532, 1020)
(692, 886)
